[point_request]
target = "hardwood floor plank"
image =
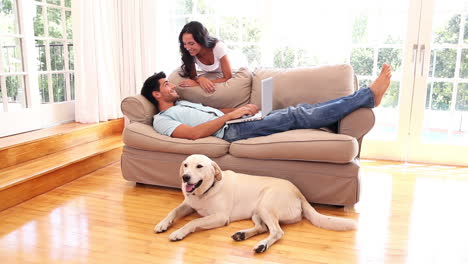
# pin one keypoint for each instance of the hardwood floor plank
(407, 214)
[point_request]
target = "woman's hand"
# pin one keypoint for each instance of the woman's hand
(188, 83)
(206, 84)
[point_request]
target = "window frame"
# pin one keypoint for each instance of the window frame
(21, 36)
(34, 114)
(48, 41)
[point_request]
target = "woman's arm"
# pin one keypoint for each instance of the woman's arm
(208, 85)
(205, 83)
(226, 68)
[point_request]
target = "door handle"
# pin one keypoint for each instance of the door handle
(415, 53)
(423, 56)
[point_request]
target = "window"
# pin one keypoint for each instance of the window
(54, 50)
(276, 34)
(285, 35)
(12, 75)
(239, 28)
(300, 33)
(36, 64)
(51, 46)
(446, 89)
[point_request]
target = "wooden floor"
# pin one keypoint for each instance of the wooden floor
(408, 213)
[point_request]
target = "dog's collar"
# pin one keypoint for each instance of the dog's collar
(212, 185)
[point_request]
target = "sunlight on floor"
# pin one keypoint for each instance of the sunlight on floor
(408, 213)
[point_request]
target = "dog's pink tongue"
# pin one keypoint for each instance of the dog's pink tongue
(189, 187)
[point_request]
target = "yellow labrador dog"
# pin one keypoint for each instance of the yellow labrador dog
(225, 196)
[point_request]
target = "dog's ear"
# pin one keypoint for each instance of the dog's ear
(181, 169)
(217, 171)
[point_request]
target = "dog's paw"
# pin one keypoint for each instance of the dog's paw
(260, 248)
(239, 236)
(177, 235)
(162, 226)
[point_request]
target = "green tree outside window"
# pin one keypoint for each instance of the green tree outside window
(462, 97)
(439, 96)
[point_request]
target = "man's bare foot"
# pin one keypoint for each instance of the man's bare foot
(381, 84)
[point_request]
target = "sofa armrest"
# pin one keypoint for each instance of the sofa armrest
(138, 109)
(357, 124)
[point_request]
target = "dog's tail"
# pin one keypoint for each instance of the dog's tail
(325, 221)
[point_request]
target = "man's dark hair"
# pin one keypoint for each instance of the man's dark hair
(152, 84)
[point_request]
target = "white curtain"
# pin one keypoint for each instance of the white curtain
(115, 50)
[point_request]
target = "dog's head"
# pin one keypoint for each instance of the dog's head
(198, 173)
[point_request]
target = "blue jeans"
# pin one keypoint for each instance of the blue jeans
(301, 116)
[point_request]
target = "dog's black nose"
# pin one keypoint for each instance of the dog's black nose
(186, 177)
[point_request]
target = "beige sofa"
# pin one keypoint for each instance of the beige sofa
(323, 164)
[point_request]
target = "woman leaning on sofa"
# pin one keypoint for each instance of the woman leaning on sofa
(209, 53)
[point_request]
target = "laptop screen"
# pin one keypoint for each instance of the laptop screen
(267, 96)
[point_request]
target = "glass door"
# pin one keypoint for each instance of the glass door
(36, 65)
(424, 116)
(16, 98)
(439, 129)
(387, 32)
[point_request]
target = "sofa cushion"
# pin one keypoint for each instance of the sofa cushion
(138, 109)
(304, 85)
(301, 144)
(232, 93)
(144, 137)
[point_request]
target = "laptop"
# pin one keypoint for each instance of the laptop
(267, 104)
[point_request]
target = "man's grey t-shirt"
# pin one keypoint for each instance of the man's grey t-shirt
(187, 113)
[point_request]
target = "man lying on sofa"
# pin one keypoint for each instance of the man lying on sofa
(183, 119)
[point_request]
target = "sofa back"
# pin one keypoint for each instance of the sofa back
(230, 94)
(291, 87)
(305, 85)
